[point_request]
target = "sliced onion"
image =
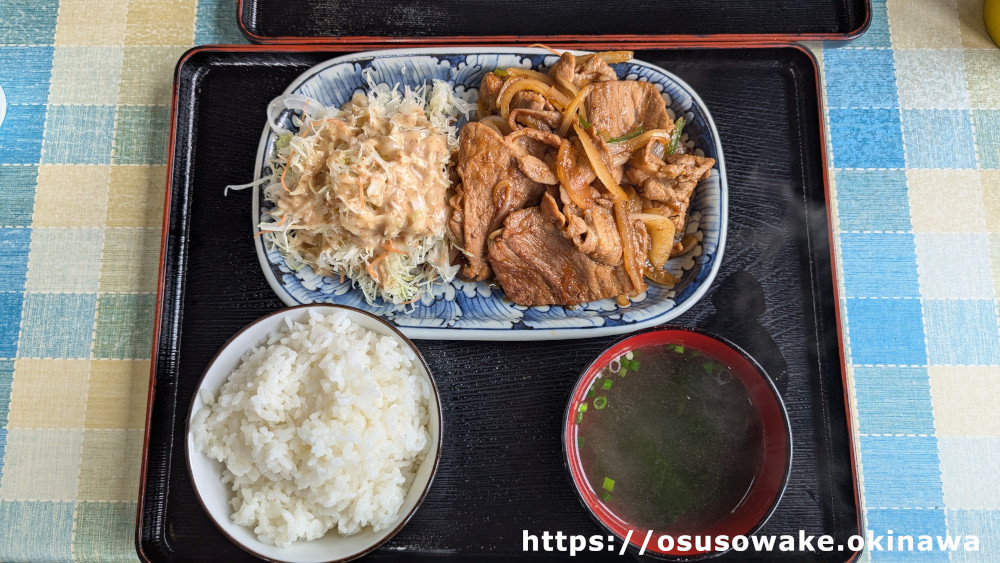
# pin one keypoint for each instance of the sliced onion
(636, 143)
(295, 102)
(612, 57)
(566, 85)
(600, 168)
(528, 73)
(569, 116)
(516, 85)
(661, 237)
(580, 196)
(496, 123)
(622, 221)
(650, 217)
(557, 98)
(634, 201)
(661, 276)
(300, 102)
(274, 110)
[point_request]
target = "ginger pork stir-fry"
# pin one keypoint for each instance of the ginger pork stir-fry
(573, 184)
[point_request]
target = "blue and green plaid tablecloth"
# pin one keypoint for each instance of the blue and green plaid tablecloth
(913, 110)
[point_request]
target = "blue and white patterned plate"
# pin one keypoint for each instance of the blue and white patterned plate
(475, 310)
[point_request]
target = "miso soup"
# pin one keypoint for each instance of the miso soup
(669, 439)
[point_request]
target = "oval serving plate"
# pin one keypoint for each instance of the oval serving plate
(476, 310)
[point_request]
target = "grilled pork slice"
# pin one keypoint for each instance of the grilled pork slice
(668, 182)
(592, 231)
(536, 264)
(492, 187)
(621, 107)
(491, 89)
(581, 71)
(489, 93)
(542, 120)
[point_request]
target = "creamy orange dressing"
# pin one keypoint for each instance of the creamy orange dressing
(402, 170)
(366, 186)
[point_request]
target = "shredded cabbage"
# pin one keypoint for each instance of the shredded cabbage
(361, 191)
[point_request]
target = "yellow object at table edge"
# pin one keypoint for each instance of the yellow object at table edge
(991, 17)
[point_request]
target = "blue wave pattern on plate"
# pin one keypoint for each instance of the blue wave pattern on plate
(475, 309)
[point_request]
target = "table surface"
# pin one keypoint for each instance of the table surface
(913, 140)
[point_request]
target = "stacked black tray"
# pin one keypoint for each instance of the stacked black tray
(557, 21)
(502, 471)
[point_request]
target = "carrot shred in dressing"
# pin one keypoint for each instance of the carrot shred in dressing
(390, 247)
(285, 171)
(317, 122)
(280, 223)
(371, 267)
(310, 128)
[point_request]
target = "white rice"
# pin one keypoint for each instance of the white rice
(320, 427)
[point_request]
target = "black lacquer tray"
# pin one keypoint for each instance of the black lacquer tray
(502, 471)
(492, 21)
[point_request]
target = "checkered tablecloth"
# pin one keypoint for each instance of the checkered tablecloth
(82, 176)
(913, 111)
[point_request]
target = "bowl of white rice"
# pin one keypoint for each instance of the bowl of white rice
(314, 434)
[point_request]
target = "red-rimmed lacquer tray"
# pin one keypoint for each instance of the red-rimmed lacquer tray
(376, 23)
(501, 470)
